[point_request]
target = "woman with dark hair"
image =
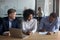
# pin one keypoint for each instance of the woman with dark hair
(29, 25)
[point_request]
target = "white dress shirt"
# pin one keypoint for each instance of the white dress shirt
(29, 25)
(10, 24)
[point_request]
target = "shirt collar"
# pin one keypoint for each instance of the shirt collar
(30, 20)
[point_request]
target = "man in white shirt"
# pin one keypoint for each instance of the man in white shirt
(29, 25)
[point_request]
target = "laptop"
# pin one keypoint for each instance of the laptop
(17, 33)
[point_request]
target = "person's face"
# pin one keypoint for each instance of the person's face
(12, 15)
(51, 19)
(39, 9)
(30, 17)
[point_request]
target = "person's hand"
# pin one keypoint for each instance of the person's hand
(48, 33)
(29, 33)
(7, 33)
(43, 30)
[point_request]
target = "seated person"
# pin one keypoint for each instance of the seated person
(29, 24)
(49, 24)
(1, 26)
(10, 22)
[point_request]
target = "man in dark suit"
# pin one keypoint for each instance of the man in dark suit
(10, 22)
(1, 26)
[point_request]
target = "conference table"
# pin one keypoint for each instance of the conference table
(35, 36)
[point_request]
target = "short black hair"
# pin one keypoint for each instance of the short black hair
(54, 15)
(11, 11)
(39, 8)
(26, 13)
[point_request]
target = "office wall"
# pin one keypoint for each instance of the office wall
(46, 5)
(50, 6)
(19, 5)
(40, 3)
(59, 8)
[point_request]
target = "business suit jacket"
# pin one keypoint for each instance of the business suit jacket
(1, 26)
(5, 24)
